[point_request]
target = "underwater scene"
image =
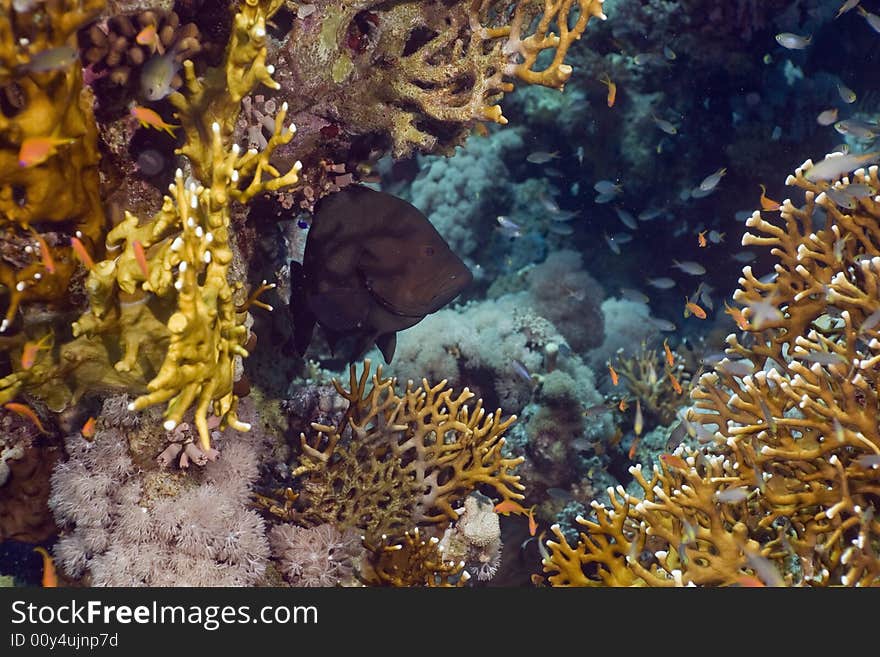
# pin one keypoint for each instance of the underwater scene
(473, 293)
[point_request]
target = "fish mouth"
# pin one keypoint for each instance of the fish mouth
(453, 284)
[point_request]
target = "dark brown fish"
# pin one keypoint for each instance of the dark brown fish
(373, 265)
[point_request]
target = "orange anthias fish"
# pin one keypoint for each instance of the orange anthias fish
(632, 448)
(510, 506)
(141, 257)
(674, 461)
(36, 150)
(675, 384)
(80, 250)
(767, 204)
(45, 253)
(31, 349)
(670, 358)
(701, 239)
(88, 429)
(150, 37)
(638, 425)
(738, 317)
(612, 89)
(613, 373)
(50, 577)
(749, 581)
(25, 411)
(150, 119)
(622, 406)
(691, 307)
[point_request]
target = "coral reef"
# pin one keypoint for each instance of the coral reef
(419, 74)
(127, 526)
(411, 561)
(315, 556)
(48, 162)
(122, 47)
(395, 461)
(785, 488)
(475, 538)
(164, 295)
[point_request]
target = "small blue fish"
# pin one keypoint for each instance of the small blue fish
(157, 75)
(613, 245)
(689, 267)
(628, 220)
(661, 283)
(608, 187)
(872, 19)
(508, 227)
(663, 324)
(560, 228)
(793, 41)
(649, 214)
(52, 59)
(522, 371)
(666, 126)
(541, 157)
(858, 128)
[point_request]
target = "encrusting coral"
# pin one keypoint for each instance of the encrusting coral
(397, 461)
(44, 200)
(785, 490)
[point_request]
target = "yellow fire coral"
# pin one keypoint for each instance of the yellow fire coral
(399, 461)
(423, 73)
(410, 561)
(162, 321)
(787, 487)
(47, 105)
(183, 252)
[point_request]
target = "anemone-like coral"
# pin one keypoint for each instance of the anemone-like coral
(786, 487)
(123, 526)
(316, 556)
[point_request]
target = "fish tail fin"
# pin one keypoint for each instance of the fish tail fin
(387, 343)
(303, 319)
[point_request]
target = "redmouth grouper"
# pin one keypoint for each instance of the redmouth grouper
(373, 265)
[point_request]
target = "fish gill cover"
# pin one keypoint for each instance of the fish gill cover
(619, 258)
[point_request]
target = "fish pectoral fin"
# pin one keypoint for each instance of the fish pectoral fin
(303, 318)
(387, 343)
(340, 309)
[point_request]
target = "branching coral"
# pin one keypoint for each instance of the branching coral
(164, 298)
(650, 378)
(423, 72)
(789, 486)
(413, 560)
(398, 461)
